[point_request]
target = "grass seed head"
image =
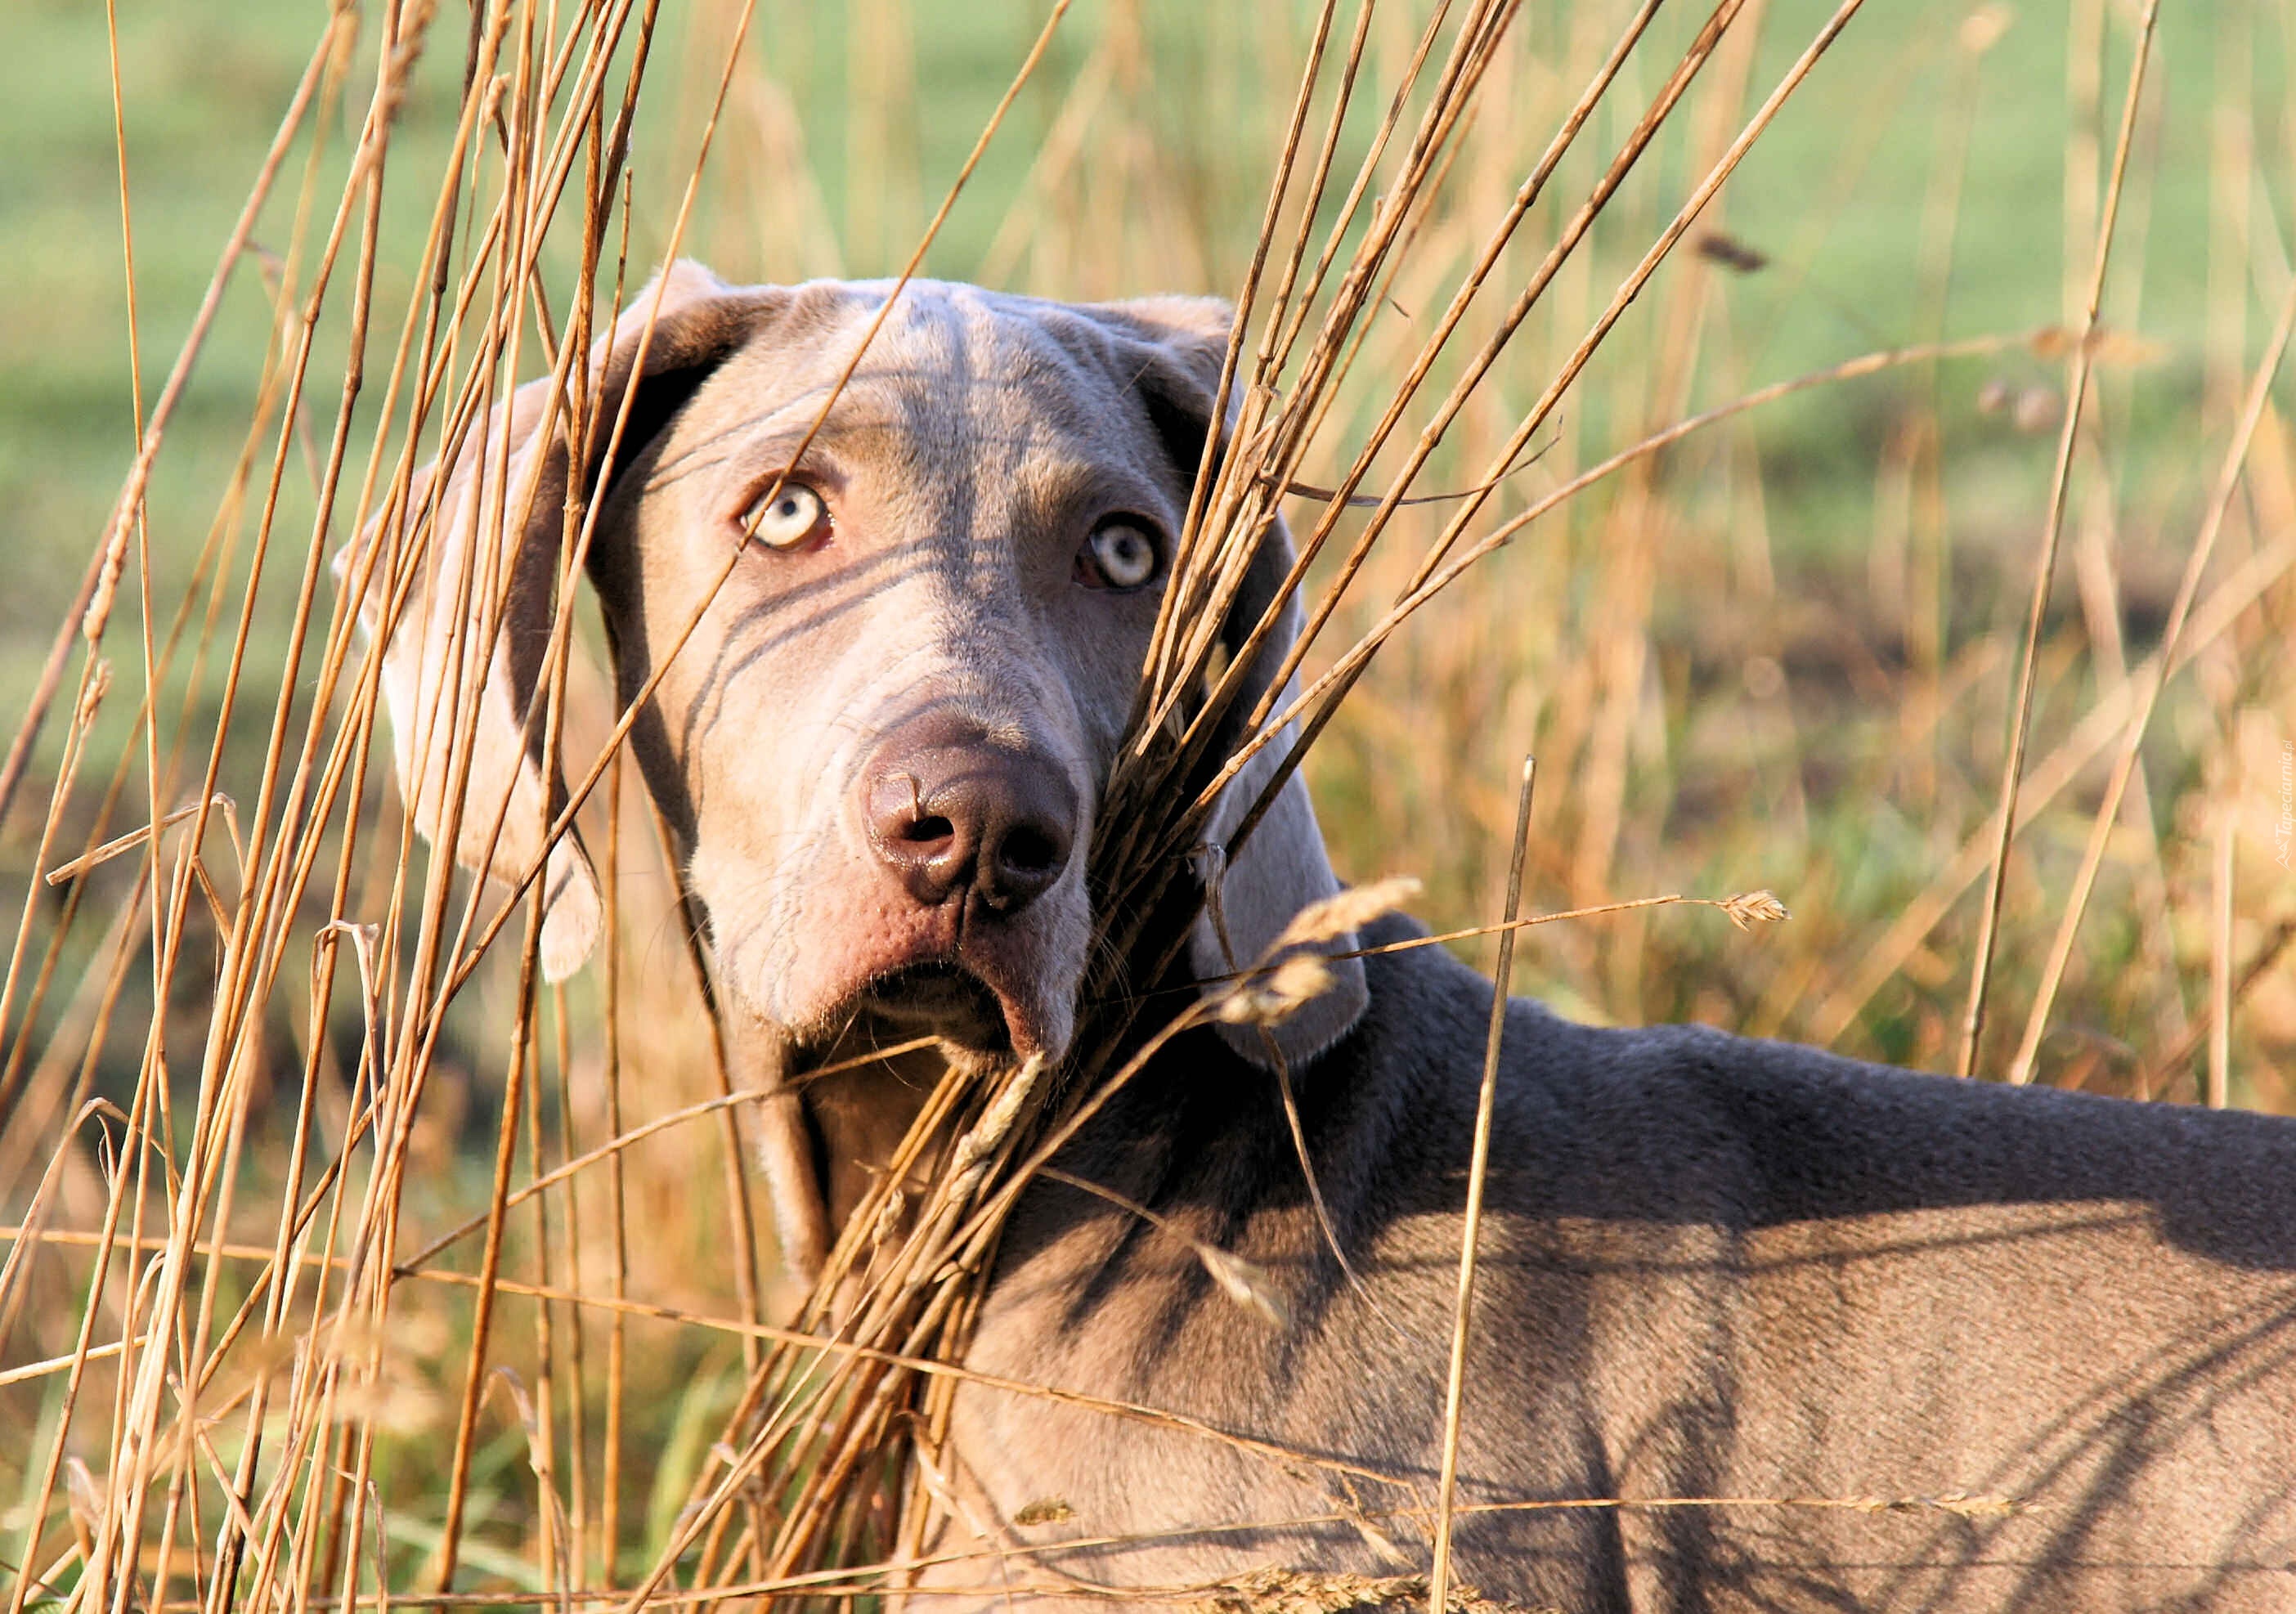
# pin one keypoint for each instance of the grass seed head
(1248, 1284)
(1296, 982)
(1346, 911)
(1749, 908)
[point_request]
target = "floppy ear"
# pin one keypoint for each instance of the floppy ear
(433, 645)
(1251, 890)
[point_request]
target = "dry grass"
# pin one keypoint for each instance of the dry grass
(347, 1263)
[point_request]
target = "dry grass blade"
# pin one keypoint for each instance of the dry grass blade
(2235, 596)
(1280, 992)
(1980, 974)
(1438, 568)
(83, 615)
(1438, 1581)
(2171, 1064)
(1298, 1592)
(2124, 766)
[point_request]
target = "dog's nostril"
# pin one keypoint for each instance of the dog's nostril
(950, 814)
(926, 831)
(1028, 850)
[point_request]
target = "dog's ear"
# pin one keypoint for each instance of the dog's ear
(433, 647)
(1283, 866)
(1253, 890)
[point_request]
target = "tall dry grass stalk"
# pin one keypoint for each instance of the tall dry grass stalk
(263, 1355)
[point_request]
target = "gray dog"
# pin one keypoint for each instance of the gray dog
(1839, 1337)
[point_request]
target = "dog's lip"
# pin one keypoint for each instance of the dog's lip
(944, 995)
(939, 996)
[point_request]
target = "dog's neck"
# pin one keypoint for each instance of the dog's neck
(857, 1113)
(829, 1123)
(832, 1116)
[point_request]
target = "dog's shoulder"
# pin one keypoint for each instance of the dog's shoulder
(1686, 1121)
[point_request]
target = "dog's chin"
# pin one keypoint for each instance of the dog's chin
(945, 1000)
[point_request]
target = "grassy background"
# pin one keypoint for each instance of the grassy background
(1839, 184)
(1781, 658)
(840, 136)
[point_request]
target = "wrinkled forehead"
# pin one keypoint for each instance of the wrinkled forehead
(1009, 396)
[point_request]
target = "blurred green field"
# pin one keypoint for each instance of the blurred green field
(1836, 190)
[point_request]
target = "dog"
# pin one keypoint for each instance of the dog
(1757, 1327)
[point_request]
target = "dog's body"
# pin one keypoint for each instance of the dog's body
(1880, 1311)
(1837, 1337)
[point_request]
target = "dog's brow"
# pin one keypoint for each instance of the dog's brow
(838, 443)
(1095, 488)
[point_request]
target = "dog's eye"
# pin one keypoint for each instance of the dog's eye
(788, 516)
(1118, 555)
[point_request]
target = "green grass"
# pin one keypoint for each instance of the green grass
(203, 84)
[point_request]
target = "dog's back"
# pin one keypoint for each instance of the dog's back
(1849, 1336)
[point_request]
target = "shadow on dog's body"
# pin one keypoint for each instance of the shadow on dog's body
(1711, 1268)
(1943, 1344)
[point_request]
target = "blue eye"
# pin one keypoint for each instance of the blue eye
(1118, 555)
(792, 514)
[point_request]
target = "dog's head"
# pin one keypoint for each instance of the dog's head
(879, 741)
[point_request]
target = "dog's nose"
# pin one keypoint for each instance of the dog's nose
(956, 817)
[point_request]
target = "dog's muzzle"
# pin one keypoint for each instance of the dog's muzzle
(968, 829)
